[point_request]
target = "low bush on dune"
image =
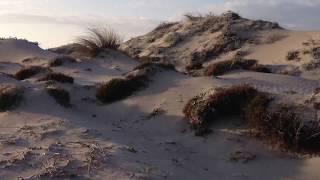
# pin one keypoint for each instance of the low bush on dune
(10, 96)
(164, 26)
(279, 125)
(283, 126)
(27, 72)
(146, 64)
(223, 67)
(61, 95)
(194, 66)
(99, 39)
(59, 77)
(120, 88)
(60, 60)
(203, 109)
(259, 68)
(117, 89)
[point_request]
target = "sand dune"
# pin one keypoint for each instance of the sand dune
(144, 136)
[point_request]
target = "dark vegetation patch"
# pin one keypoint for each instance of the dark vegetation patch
(280, 125)
(10, 96)
(164, 26)
(152, 64)
(59, 77)
(194, 66)
(27, 72)
(117, 89)
(120, 88)
(223, 67)
(205, 108)
(61, 95)
(293, 55)
(60, 60)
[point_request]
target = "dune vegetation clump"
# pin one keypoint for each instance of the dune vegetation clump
(60, 60)
(223, 67)
(99, 39)
(117, 89)
(279, 125)
(61, 95)
(120, 88)
(151, 64)
(10, 96)
(27, 72)
(205, 108)
(293, 55)
(59, 77)
(283, 126)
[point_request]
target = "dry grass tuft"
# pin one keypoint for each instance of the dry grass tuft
(10, 96)
(293, 55)
(283, 126)
(151, 64)
(27, 72)
(117, 89)
(60, 60)
(59, 77)
(99, 39)
(222, 67)
(61, 95)
(164, 26)
(203, 109)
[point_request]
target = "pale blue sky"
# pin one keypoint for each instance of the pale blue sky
(56, 22)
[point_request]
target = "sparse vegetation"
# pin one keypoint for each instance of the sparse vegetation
(61, 95)
(222, 67)
(147, 64)
(312, 65)
(10, 96)
(172, 39)
(27, 72)
(98, 40)
(164, 25)
(117, 89)
(59, 77)
(60, 60)
(194, 66)
(203, 109)
(315, 52)
(279, 125)
(283, 126)
(293, 55)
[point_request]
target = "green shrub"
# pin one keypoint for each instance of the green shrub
(27, 72)
(10, 96)
(61, 96)
(59, 77)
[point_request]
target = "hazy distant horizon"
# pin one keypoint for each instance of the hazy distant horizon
(57, 22)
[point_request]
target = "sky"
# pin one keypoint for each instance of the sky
(57, 22)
